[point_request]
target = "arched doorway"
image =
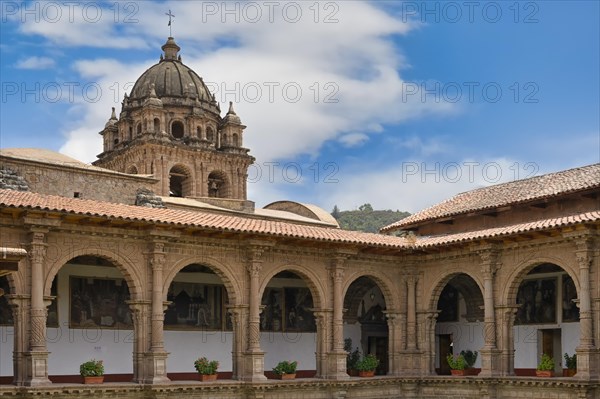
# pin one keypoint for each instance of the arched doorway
(287, 323)
(89, 319)
(197, 323)
(365, 324)
(547, 318)
(459, 325)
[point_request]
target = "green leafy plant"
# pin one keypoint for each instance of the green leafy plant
(367, 363)
(546, 363)
(457, 362)
(353, 356)
(92, 368)
(470, 357)
(571, 361)
(285, 367)
(204, 366)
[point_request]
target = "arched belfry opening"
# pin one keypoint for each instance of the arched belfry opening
(365, 323)
(179, 182)
(459, 325)
(218, 185)
(177, 129)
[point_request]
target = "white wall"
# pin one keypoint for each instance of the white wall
(6, 350)
(465, 336)
(300, 347)
(526, 343)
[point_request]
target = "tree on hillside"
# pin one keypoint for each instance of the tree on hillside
(336, 212)
(365, 208)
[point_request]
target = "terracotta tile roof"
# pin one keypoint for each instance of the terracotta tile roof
(513, 229)
(210, 221)
(534, 188)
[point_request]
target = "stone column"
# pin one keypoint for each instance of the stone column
(337, 355)
(411, 310)
(254, 357)
(20, 310)
(156, 358)
(324, 362)
(490, 354)
(587, 364)
(394, 343)
(507, 366)
(239, 320)
(141, 337)
(429, 368)
(37, 356)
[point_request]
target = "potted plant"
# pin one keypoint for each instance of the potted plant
(457, 364)
(92, 372)
(286, 370)
(470, 357)
(367, 365)
(352, 358)
(571, 363)
(545, 367)
(206, 369)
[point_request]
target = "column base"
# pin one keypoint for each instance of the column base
(490, 362)
(36, 369)
(587, 363)
(155, 368)
(410, 362)
(254, 366)
(336, 366)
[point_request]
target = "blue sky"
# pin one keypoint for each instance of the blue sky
(402, 104)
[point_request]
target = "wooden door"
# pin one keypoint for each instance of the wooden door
(445, 349)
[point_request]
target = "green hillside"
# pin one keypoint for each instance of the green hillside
(366, 219)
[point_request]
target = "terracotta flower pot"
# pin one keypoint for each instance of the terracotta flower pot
(286, 376)
(459, 372)
(99, 379)
(544, 373)
(569, 372)
(369, 373)
(208, 377)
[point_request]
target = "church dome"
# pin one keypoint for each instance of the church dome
(171, 79)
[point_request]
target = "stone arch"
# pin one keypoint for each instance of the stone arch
(132, 277)
(514, 280)
(132, 170)
(383, 282)
(441, 283)
(235, 140)
(310, 278)
(156, 125)
(232, 285)
(139, 128)
(199, 132)
(218, 184)
(180, 181)
(177, 129)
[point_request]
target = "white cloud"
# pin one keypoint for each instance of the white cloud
(353, 139)
(35, 63)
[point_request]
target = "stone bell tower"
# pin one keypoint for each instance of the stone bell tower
(170, 127)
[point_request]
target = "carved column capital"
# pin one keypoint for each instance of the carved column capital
(489, 260)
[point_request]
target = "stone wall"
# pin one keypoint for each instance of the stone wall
(74, 182)
(384, 388)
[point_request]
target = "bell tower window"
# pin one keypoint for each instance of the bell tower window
(210, 134)
(217, 185)
(156, 125)
(139, 128)
(179, 182)
(177, 129)
(235, 140)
